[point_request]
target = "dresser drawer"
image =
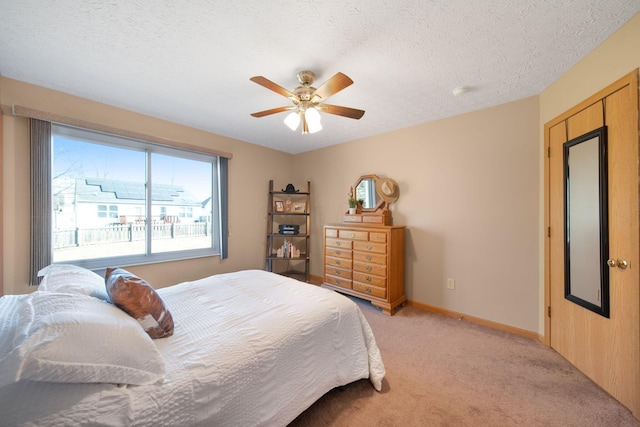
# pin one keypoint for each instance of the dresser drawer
(373, 219)
(330, 232)
(338, 262)
(337, 281)
(370, 268)
(369, 279)
(369, 258)
(353, 234)
(336, 252)
(370, 290)
(380, 248)
(338, 243)
(338, 272)
(378, 237)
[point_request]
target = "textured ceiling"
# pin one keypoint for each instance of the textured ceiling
(189, 61)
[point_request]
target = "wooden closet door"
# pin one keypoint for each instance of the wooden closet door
(605, 349)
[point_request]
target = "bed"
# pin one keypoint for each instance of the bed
(248, 348)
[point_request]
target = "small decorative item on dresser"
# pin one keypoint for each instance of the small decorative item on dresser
(353, 202)
(353, 206)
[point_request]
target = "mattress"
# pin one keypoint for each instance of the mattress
(249, 348)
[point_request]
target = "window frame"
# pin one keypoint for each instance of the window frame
(218, 181)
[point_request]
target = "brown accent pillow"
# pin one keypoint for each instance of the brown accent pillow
(136, 297)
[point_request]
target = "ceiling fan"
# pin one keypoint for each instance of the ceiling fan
(307, 101)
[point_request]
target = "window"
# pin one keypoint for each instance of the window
(153, 203)
(104, 211)
(186, 212)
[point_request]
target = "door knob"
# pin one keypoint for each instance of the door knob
(620, 263)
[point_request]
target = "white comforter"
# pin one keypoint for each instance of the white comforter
(249, 348)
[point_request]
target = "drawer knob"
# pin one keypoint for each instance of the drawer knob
(337, 262)
(338, 243)
(369, 247)
(368, 289)
(353, 235)
(337, 282)
(368, 257)
(368, 268)
(368, 279)
(338, 252)
(337, 272)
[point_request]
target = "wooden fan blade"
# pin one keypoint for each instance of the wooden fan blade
(262, 81)
(338, 110)
(332, 86)
(273, 111)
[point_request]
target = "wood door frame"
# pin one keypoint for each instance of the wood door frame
(629, 79)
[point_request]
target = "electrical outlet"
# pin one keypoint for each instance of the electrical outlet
(451, 284)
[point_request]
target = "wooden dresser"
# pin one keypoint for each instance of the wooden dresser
(366, 261)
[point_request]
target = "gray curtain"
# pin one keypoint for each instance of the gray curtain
(224, 207)
(41, 210)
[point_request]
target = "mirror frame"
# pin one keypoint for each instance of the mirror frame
(603, 224)
(378, 196)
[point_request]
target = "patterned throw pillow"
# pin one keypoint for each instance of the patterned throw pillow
(137, 298)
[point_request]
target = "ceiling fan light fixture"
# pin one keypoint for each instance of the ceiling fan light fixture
(292, 120)
(315, 127)
(312, 117)
(308, 101)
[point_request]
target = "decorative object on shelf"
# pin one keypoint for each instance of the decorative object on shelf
(298, 207)
(288, 250)
(289, 229)
(290, 189)
(279, 206)
(287, 206)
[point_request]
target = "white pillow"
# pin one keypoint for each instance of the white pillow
(72, 338)
(69, 278)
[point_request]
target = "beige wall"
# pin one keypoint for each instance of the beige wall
(250, 170)
(469, 198)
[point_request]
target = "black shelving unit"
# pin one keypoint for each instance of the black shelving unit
(289, 223)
